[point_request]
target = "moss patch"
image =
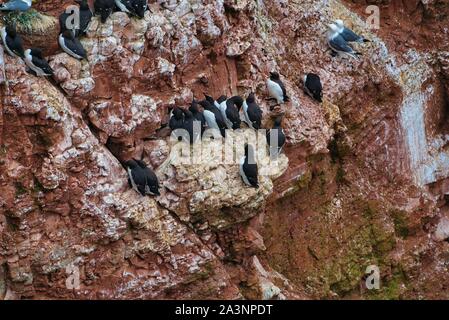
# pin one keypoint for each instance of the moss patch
(20, 189)
(31, 21)
(401, 222)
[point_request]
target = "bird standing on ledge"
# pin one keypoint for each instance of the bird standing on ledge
(16, 5)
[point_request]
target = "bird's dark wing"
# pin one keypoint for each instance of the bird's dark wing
(139, 179)
(85, 17)
(251, 172)
(284, 91)
(219, 118)
(76, 46)
(175, 123)
(339, 44)
(62, 21)
(233, 115)
(15, 45)
(279, 134)
(314, 85)
(152, 182)
(43, 64)
(350, 35)
(151, 177)
(255, 115)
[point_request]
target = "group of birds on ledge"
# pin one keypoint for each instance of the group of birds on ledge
(221, 114)
(69, 36)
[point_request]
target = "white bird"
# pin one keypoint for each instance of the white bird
(16, 5)
(338, 44)
(348, 34)
(276, 88)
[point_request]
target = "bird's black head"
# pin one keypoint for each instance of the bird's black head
(141, 163)
(187, 114)
(104, 14)
(155, 190)
(68, 34)
(36, 52)
(194, 106)
(238, 101)
(11, 30)
(140, 12)
(277, 122)
(205, 104)
(132, 164)
(222, 99)
(251, 98)
(140, 8)
(209, 99)
(274, 76)
(177, 113)
(84, 5)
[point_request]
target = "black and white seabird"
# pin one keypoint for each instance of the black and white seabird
(276, 88)
(12, 41)
(276, 137)
(213, 117)
(338, 44)
(104, 8)
(221, 99)
(214, 102)
(71, 45)
(192, 126)
(85, 16)
(16, 5)
(176, 119)
(348, 34)
(313, 86)
(252, 112)
(198, 115)
(230, 111)
(36, 62)
(141, 178)
(248, 168)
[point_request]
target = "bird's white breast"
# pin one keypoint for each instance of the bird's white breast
(29, 62)
(245, 113)
(275, 91)
(61, 41)
(3, 34)
(223, 106)
(210, 119)
(133, 183)
(242, 172)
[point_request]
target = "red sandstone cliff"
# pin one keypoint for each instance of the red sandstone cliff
(363, 180)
